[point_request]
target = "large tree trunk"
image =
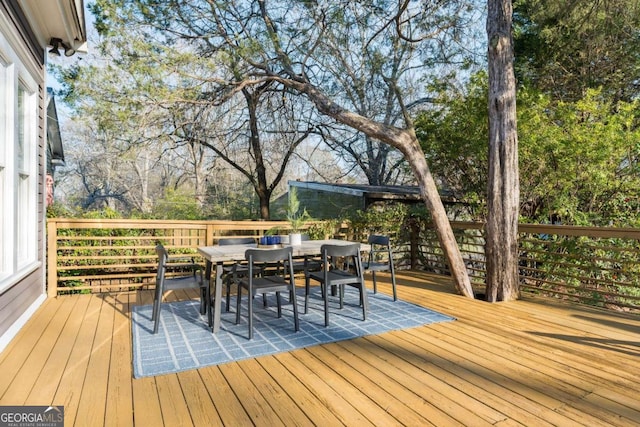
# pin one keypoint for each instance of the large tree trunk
(433, 202)
(260, 183)
(404, 140)
(503, 185)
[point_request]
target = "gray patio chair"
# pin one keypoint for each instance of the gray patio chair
(280, 281)
(232, 273)
(191, 279)
(307, 263)
(381, 259)
(332, 275)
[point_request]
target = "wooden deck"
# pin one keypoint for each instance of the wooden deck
(532, 362)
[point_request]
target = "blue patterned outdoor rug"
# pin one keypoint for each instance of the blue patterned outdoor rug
(184, 341)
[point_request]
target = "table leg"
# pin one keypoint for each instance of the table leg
(217, 298)
(207, 277)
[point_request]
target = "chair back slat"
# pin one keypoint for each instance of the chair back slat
(378, 240)
(268, 255)
(340, 250)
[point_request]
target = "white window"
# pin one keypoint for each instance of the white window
(18, 168)
(26, 176)
(4, 124)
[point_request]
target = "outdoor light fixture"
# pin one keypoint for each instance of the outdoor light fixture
(56, 43)
(68, 51)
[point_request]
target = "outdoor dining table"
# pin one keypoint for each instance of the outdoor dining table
(219, 255)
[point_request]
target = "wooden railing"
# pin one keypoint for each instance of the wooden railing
(591, 265)
(107, 255)
(597, 266)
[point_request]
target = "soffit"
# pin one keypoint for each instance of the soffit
(62, 19)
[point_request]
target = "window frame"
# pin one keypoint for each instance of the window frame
(19, 124)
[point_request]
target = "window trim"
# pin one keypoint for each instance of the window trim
(17, 71)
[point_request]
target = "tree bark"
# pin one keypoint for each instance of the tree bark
(406, 141)
(501, 248)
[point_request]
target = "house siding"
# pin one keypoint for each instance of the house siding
(326, 205)
(19, 301)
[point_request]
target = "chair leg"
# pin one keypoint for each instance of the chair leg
(279, 304)
(325, 297)
(306, 295)
(239, 298)
(364, 299)
(156, 313)
(153, 310)
(203, 301)
(375, 284)
(207, 291)
(228, 284)
(296, 322)
(250, 304)
(393, 285)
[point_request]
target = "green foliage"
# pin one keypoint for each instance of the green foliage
(325, 229)
(454, 138)
(296, 218)
(106, 213)
(176, 205)
(234, 204)
(380, 219)
(58, 210)
(578, 160)
(565, 47)
(273, 231)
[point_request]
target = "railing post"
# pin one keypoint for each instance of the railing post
(52, 258)
(209, 234)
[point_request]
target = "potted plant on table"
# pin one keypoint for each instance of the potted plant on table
(296, 218)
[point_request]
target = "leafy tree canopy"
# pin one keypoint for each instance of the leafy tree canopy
(578, 160)
(566, 47)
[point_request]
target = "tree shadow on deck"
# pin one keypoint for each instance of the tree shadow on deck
(620, 346)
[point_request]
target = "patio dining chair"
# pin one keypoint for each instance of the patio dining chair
(307, 263)
(281, 280)
(381, 259)
(332, 275)
(232, 273)
(192, 278)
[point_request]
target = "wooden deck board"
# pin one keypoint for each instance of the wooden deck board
(532, 362)
(93, 400)
(282, 403)
(229, 409)
(408, 358)
(407, 407)
(201, 407)
(46, 391)
(175, 411)
(251, 397)
(70, 385)
(418, 388)
(317, 414)
(517, 375)
(35, 363)
(15, 354)
(119, 409)
(356, 373)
